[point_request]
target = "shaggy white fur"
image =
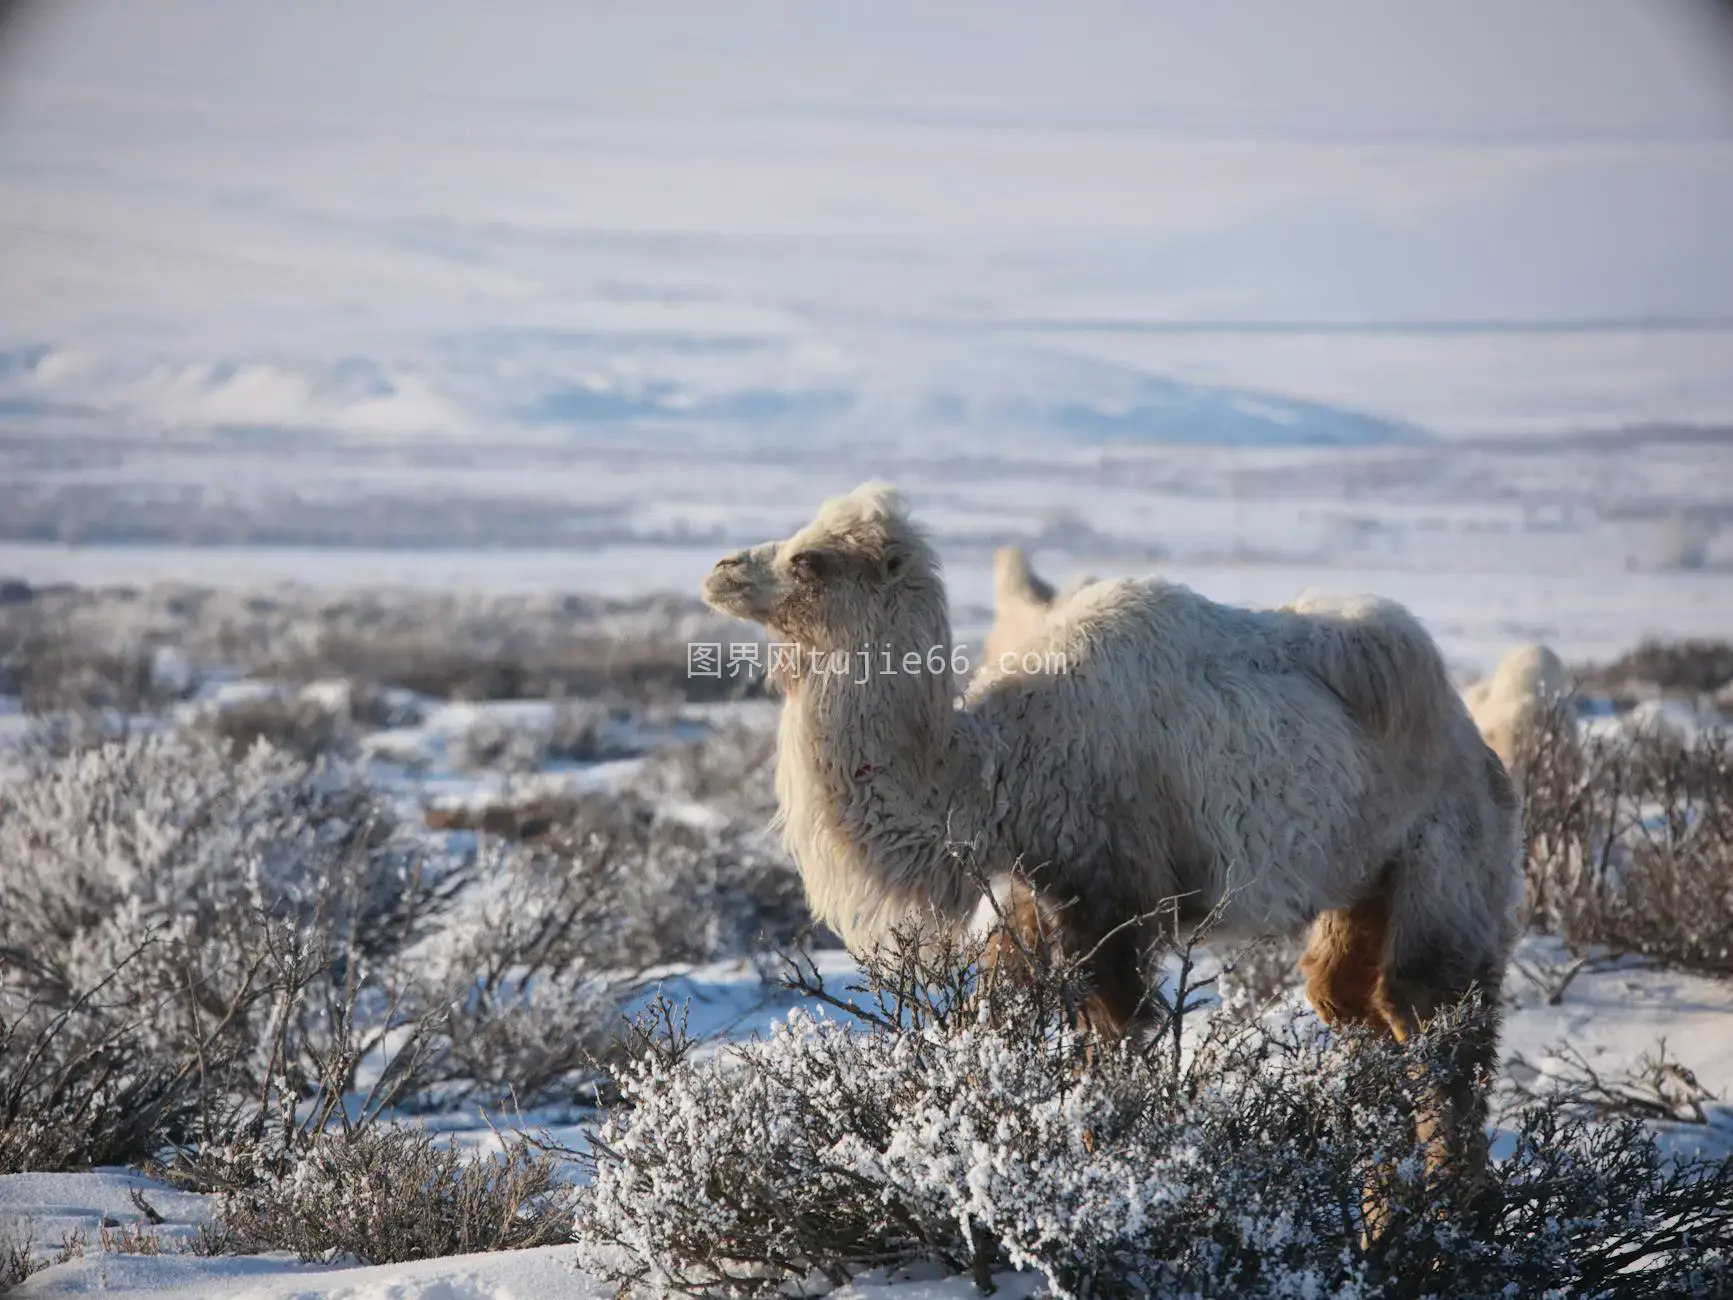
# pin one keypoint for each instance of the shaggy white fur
(1527, 678)
(1278, 763)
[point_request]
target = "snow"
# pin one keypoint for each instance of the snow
(1612, 1012)
(514, 1275)
(517, 1275)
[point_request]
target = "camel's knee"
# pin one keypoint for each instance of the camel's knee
(1415, 985)
(1452, 897)
(1035, 933)
(1344, 956)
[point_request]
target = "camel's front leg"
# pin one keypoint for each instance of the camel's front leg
(1033, 929)
(1450, 1120)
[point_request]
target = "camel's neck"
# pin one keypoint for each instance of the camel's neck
(880, 779)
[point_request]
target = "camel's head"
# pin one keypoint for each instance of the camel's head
(838, 582)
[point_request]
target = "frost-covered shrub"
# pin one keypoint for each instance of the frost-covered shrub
(104, 647)
(1691, 667)
(528, 978)
(307, 728)
(1256, 975)
(698, 892)
(494, 744)
(51, 665)
(541, 954)
(203, 917)
(488, 657)
(1630, 839)
(162, 837)
(386, 1195)
(77, 1088)
(572, 733)
(668, 884)
(729, 854)
(974, 1128)
(733, 771)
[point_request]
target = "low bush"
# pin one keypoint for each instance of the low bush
(530, 978)
(635, 667)
(21, 1255)
(970, 1127)
(183, 930)
(1630, 839)
(51, 665)
(17, 1254)
(574, 733)
(608, 887)
(733, 771)
(80, 1087)
(1692, 667)
(305, 728)
(176, 925)
(133, 649)
(385, 1195)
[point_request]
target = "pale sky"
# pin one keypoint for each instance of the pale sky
(1368, 69)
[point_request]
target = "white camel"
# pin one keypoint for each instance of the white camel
(1279, 768)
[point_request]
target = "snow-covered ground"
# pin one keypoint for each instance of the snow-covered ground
(1611, 1012)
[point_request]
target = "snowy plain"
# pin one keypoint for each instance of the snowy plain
(568, 302)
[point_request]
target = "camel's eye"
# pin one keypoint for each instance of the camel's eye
(809, 564)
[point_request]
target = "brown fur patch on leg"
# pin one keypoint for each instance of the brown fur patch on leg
(1344, 959)
(1034, 928)
(1023, 931)
(1027, 937)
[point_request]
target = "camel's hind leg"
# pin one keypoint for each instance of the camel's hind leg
(1452, 900)
(1366, 967)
